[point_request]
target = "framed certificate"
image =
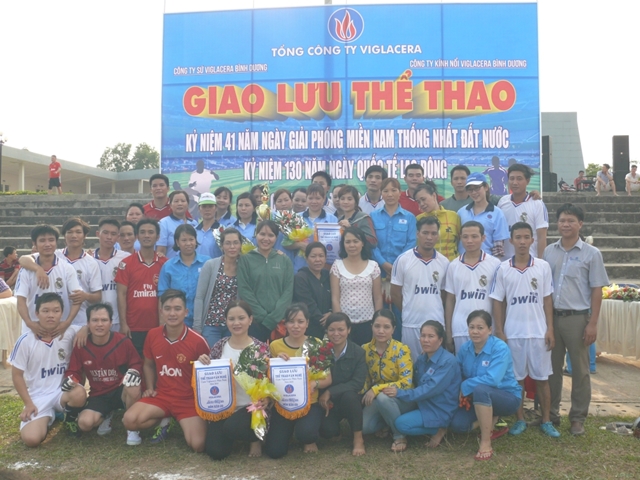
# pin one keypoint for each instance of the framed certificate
(329, 235)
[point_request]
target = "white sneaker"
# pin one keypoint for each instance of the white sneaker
(133, 438)
(105, 426)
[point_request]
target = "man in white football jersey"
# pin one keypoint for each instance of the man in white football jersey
(74, 231)
(61, 279)
(109, 259)
(38, 366)
(520, 206)
(467, 284)
(523, 314)
(417, 279)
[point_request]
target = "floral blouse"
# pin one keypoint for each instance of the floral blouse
(225, 290)
(393, 367)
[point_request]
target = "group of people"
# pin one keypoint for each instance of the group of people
(418, 279)
(604, 181)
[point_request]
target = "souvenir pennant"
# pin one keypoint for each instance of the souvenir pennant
(214, 389)
(292, 382)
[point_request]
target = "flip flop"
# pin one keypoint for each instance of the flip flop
(399, 446)
(482, 456)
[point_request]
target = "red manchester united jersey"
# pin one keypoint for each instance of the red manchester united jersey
(104, 365)
(174, 359)
(141, 280)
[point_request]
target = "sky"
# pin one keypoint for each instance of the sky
(77, 77)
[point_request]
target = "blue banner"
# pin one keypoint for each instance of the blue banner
(275, 95)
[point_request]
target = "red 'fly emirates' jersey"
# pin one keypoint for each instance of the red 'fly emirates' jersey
(141, 281)
(173, 359)
(104, 365)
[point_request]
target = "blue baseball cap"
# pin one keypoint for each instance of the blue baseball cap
(476, 179)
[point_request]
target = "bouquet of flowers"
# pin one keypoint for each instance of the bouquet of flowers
(251, 374)
(293, 226)
(624, 293)
(247, 245)
(320, 355)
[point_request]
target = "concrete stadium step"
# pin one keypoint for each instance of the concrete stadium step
(23, 244)
(590, 208)
(620, 255)
(588, 197)
(612, 242)
(603, 229)
(624, 270)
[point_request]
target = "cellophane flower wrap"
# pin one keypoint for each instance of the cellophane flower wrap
(251, 374)
(247, 245)
(624, 293)
(320, 356)
(263, 210)
(294, 228)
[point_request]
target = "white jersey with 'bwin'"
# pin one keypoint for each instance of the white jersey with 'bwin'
(470, 284)
(524, 291)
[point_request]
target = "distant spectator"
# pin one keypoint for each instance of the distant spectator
(581, 181)
(632, 180)
(9, 267)
(54, 175)
(604, 180)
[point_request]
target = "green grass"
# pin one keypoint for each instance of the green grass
(597, 455)
(233, 179)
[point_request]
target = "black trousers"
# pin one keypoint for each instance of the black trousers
(259, 331)
(349, 406)
(222, 434)
(361, 333)
(306, 430)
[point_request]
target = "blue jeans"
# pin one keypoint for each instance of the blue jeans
(503, 403)
(592, 359)
(412, 424)
(383, 412)
(214, 334)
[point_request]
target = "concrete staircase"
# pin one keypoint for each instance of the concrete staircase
(614, 222)
(20, 213)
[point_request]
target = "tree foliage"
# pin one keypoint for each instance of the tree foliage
(119, 158)
(592, 169)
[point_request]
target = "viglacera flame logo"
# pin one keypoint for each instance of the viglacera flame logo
(346, 25)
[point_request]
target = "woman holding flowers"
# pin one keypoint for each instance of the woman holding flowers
(222, 434)
(265, 281)
(355, 284)
(217, 286)
(290, 245)
(352, 216)
(389, 368)
(436, 387)
(348, 374)
(247, 216)
(297, 344)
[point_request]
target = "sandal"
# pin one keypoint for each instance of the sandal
(399, 446)
(482, 456)
(495, 434)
